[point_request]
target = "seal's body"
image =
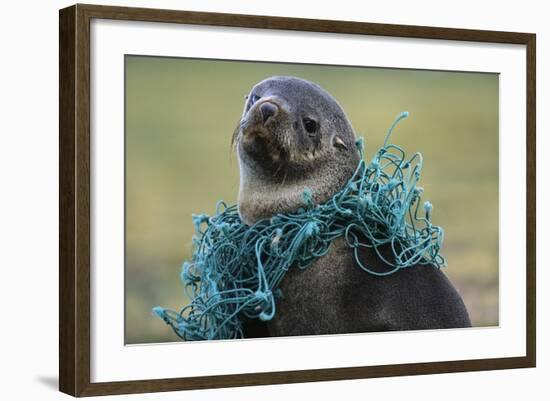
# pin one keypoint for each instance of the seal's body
(292, 135)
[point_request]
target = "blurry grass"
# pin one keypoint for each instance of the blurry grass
(181, 113)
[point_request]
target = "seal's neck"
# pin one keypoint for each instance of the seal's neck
(261, 199)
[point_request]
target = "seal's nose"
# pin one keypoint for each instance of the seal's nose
(268, 109)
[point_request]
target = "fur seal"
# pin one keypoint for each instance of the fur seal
(294, 134)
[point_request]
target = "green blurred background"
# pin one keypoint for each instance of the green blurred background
(181, 113)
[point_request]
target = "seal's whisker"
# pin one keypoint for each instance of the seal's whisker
(236, 133)
(284, 178)
(277, 170)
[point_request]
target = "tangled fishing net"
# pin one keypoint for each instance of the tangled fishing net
(236, 269)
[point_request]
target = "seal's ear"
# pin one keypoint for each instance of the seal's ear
(338, 142)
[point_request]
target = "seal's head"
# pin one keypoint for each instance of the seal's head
(292, 135)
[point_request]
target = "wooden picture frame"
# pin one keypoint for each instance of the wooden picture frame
(74, 199)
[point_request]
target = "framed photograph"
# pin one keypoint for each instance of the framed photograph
(250, 200)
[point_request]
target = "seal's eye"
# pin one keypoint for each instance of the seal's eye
(310, 125)
(251, 100)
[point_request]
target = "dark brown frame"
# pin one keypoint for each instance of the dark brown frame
(74, 199)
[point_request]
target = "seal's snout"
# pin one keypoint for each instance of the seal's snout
(268, 110)
(262, 130)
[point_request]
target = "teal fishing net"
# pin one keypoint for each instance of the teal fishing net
(236, 269)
